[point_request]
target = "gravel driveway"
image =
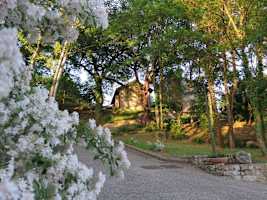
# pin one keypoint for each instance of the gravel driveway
(151, 179)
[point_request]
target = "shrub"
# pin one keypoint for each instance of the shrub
(198, 140)
(156, 146)
(133, 141)
(185, 119)
(175, 130)
(151, 127)
(37, 138)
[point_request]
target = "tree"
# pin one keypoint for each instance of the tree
(102, 57)
(156, 27)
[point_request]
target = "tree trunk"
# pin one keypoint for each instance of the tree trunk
(98, 98)
(217, 124)
(136, 75)
(255, 101)
(156, 98)
(260, 131)
(235, 83)
(228, 105)
(157, 114)
(146, 103)
(63, 97)
(260, 95)
(59, 70)
(211, 120)
(161, 98)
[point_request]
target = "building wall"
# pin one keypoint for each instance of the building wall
(130, 97)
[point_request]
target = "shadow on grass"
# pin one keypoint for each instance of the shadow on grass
(127, 129)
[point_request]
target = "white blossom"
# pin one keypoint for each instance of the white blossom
(11, 62)
(4, 113)
(108, 137)
(36, 11)
(92, 123)
(121, 153)
(100, 12)
(6, 5)
(7, 173)
(9, 190)
(103, 136)
(100, 183)
(38, 137)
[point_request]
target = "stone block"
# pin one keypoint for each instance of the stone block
(243, 157)
(232, 167)
(246, 167)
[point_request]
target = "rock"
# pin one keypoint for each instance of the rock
(246, 167)
(243, 157)
(219, 160)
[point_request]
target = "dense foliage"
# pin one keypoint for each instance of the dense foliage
(206, 55)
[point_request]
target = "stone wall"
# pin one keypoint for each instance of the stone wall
(129, 98)
(247, 172)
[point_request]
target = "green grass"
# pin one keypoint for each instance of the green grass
(124, 116)
(184, 148)
(187, 149)
(131, 128)
(139, 144)
(178, 148)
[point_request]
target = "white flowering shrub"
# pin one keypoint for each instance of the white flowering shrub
(156, 146)
(52, 19)
(37, 160)
(105, 148)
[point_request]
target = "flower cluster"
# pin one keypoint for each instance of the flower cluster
(11, 65)
(52, 19)
(100, 12)
(106, 148)
(37, 159)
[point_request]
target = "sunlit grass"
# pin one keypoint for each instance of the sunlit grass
(124, 116)
(185, 148)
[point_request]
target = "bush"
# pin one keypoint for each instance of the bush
(175, 130)
(133, 141)
(37, 139)
(240, 143)
(151, 127)
(198, 141)
(185, 119)
(156, 146)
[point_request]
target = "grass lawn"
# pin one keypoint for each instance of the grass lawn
(180, 148)
(143, 138)
(124, 116)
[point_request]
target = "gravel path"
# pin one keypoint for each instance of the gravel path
(150, 179)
